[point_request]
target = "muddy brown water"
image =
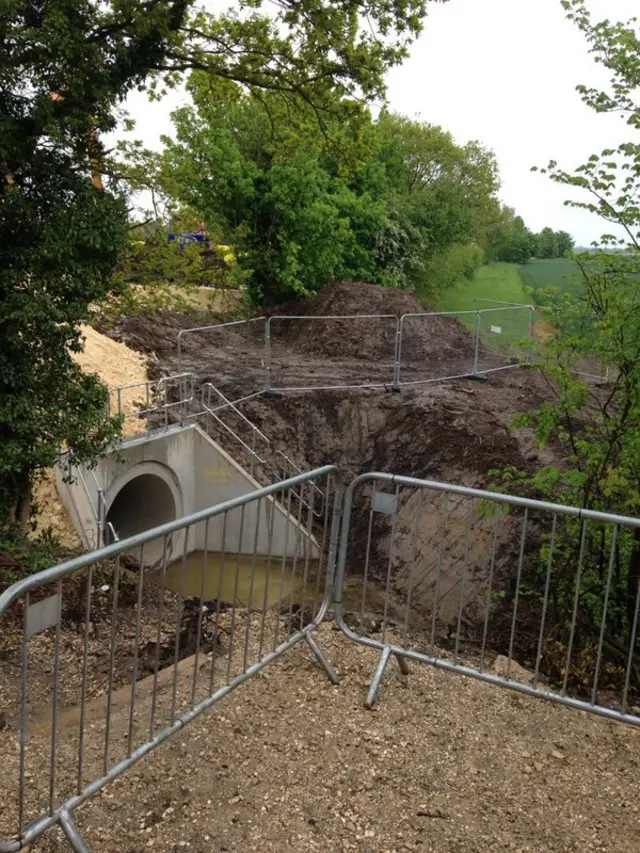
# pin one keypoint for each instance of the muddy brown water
(263, 582)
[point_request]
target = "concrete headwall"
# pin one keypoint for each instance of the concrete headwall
(154, 478)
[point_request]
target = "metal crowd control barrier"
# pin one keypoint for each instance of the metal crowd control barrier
(449, 558)
(259, 583)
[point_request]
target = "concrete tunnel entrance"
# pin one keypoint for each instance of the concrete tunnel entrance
(142, 503)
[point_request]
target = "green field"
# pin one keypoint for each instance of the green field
(491, 286)
(561, 274)
(510, 283)
(497, 281)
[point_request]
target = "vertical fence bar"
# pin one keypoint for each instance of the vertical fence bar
(176, 654)
(392, 545)
(605, 606)
(85, 674)
(307, 553)
(276, 629)
(532, 335)
(485, 629)
(294, 566)
(576, 602)
(234, 603)
(136, 652)
(203, 574)
(516, 598)
(216, 629)
(267, 356)
(251, 586)
(271, 511)
(114, 622)
(323, 545)
(24, 719)
(545, 600)
(476, 349)
(632, 646)
(367, 556)
(397, 354)
(444, 507)
(55, 700)
(156, 665)
(465, 569)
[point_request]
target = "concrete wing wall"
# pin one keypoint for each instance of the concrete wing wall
(192, 472)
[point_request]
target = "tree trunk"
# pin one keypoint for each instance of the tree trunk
(16, 489)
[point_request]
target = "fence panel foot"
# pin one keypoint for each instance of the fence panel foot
(376, 681)
(403, 663)
(332, 675)
(71, 833)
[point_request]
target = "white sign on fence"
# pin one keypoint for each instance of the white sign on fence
(497, 330)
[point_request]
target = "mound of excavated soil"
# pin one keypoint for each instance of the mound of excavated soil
(436, 337)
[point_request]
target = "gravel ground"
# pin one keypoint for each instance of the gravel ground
(445, 764)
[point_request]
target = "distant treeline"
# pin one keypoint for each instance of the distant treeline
(514, 243)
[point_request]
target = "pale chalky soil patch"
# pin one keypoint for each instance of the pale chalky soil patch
(116, 365)
(289, 763)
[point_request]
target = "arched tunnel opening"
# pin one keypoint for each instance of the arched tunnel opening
(141, 504)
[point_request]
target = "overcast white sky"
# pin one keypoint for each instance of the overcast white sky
(503, 72)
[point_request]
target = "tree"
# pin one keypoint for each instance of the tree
(510, 240)
(547, 244)
(66, 66)
(374, 201)
(565, 243)
(598, 429)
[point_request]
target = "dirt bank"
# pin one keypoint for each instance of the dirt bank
(433, 338)
(116, 364)
(455, 431)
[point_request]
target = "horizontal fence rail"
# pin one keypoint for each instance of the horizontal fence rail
(537, 597)
(438, 346)
(401, 350)
(116, 655)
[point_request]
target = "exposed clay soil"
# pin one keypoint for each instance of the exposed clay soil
(116, 364)
(454, 431)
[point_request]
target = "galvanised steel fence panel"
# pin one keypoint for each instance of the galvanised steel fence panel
(227, 347)
(297, 346)
(452, 575)
(313, 353)
(154, 646)
(506, 332)
(439, 346)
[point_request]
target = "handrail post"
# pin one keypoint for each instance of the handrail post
(180, 333)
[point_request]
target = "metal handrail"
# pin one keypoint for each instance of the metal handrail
(209, 387)
(155, 394)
